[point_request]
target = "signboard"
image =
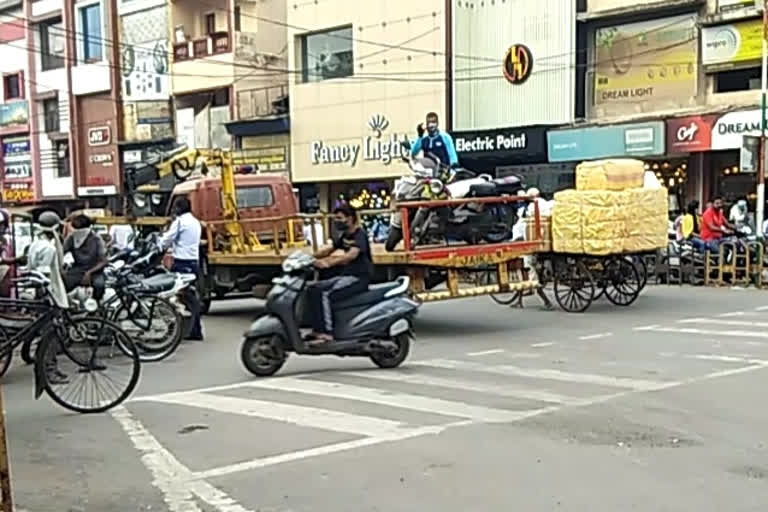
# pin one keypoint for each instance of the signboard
(16, 159)
(145, 71)
(375, 147)
(100, 136)
(690, 134)
(729, 130)
(518, 64)
(731, 5)
(513, 145)
(644, 139)
(14, 115)
(267, 159)
(646, 61)
(13, 147)
(18, 192)
(725, 46)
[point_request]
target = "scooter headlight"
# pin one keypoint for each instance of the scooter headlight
(436, 187)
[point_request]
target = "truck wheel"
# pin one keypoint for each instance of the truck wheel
(395, 235)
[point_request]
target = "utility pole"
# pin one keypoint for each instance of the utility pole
(760, 213)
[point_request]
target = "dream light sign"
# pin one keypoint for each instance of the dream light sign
(374, 147)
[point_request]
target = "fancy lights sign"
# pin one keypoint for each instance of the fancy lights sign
(374, 147)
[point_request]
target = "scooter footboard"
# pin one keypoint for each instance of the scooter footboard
(267, 325)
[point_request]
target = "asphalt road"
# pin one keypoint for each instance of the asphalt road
(656, 407)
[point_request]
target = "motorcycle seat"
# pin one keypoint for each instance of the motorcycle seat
(488, 189)
(158, 283)
(375, 293)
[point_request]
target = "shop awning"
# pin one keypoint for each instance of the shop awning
(261, 126)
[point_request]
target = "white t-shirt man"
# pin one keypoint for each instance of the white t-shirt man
(122, 236)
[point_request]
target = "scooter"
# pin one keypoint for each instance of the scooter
(374, 324)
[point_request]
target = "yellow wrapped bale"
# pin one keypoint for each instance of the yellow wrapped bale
(614, 174)
(646, 222)
(566, 222)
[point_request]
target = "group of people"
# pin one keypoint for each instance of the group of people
(706, 231)
(88, 252)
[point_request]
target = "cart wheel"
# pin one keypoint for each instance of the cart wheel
(574, 286)
(642, 269)
(624, 283)
(506, 299)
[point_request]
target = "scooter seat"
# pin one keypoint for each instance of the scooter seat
(375, 293)
(158, 283)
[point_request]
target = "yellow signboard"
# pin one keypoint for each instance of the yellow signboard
(728, 45)
(646, 61)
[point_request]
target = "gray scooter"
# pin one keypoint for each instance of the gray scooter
(374, 324)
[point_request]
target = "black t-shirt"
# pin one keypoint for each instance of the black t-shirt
(360, 267)
(88, 255)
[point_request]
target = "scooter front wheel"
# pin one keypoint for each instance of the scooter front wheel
(263, 356)
(392, 358)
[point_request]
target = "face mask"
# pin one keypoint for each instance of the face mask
(431, 127)
(340, 225)
(79, 236)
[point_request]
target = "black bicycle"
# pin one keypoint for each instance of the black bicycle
(85, 364)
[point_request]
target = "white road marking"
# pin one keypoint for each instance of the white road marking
(762, 308)
(312, 417)
(723, 322)
(466, 385)
(707, 332)
(541, 345)
(172, 478)
(325, 450)
(547, 374)
(646, 327)
(389, 398)
(486, 352)
(728, 359)
(596, 336)
(735, 313)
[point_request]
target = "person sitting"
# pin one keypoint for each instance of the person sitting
(90, 257)
(350, 255)
(690, 226)
(714, 225)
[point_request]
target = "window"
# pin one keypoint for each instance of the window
(254, 197)
(62, 159)
(52, 44)
(237, 18)
(327, 55)
(738, 80)
(91, 32)
(210, 23)
(13, 86)
(51, 113)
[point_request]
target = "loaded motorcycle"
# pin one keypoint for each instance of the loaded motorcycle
(469, 222)
(374, 324)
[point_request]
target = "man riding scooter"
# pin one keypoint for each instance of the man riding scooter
(350, 256)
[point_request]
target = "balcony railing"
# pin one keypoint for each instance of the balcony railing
(214, 44)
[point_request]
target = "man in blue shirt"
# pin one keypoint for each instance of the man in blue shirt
(435, 142)
(183, 238)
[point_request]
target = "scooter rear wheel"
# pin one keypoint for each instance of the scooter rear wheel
(393, 359)
(263, 356)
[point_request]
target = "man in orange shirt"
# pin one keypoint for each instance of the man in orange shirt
(714, 225)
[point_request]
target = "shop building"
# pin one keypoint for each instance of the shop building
(229, 64)
(513, 78)
(357, 94)
(17, 171)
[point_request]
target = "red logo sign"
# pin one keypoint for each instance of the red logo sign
(690, 134)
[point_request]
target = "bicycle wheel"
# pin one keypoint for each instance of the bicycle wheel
(153, 323)
(7, 349)
(82, 369)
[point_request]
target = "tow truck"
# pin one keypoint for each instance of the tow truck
(436, 272)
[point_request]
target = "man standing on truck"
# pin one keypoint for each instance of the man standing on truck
(350, 254)
(183, 238)
(435, 142)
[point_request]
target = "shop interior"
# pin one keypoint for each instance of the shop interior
(372, 200)
(673, 174)
(730, 182)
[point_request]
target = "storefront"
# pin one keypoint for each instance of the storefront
(637, 140)
(712, 146)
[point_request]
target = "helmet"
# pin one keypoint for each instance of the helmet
(533, 192)
(49, 220)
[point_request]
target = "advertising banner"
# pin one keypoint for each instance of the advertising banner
(725, 46)
(14, 115)
(646, 61)
(690, 134)
(643, 139)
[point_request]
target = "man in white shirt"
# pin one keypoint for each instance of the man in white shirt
(121, 236)
(183, 238)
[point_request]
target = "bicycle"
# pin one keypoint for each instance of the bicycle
(66, 340)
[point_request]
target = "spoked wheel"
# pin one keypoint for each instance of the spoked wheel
(5, 360)
(263, 357)
(392, 357)
(83, 371)
(642, 269)
(154, 324)
(574, 286)
(624, 283)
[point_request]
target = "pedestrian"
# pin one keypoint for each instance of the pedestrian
(183, 238)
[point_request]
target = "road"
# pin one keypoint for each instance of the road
(656, 407)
